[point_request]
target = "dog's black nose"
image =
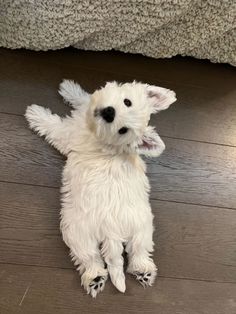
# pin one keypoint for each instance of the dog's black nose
(108, 114)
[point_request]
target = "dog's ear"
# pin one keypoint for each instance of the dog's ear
(151, 144)
(160, 98)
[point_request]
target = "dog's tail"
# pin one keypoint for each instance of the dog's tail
(117, 277)
(73, 93)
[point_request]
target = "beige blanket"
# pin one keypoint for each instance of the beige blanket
(156, 28)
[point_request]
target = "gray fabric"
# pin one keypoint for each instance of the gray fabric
(156, 28)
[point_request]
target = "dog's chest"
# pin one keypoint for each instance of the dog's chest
(110, 183)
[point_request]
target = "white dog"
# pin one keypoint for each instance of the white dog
(105, 192)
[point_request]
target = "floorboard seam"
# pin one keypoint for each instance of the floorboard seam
(198, 141)
(159, 276)
(151, 198)
(164, 136)
(195, 204)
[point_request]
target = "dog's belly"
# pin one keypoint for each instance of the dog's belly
(109, 199)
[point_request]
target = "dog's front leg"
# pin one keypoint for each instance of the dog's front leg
(55, 129)
(141, 265)
(74, 94)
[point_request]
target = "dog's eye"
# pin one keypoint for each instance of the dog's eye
(127, 102)
(123, 130)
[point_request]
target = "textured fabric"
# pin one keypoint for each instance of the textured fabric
(156, 28)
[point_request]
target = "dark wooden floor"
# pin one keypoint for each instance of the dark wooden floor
(193, 187)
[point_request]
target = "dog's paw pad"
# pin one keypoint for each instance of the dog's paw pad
(146, 279)
(97, 285)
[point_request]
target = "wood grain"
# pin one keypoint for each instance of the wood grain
(189, 241)
(191, 172)
(59, 290)
(205, 110)
(14, 283)
(193, 187)
(195, 242)
(200, 114)
(182, 70)
(197, 173)
(26, 158)
(29, 222)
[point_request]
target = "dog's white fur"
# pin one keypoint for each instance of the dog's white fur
(105, 192)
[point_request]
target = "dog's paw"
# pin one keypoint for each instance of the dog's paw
(36, 115)
(96, 285)
(145, 271)
(93, 284)
(146, 279)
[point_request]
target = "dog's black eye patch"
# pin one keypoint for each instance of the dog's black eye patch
(123, 130)
(127, 102)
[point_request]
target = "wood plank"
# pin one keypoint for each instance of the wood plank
(191, 241)
(181, 70)
(196, 173)
(59, 290)
(187, 172)
(200, 115)
(14, 282)
(29, 222)
(195, 242)
(24, 156)
(205, 110)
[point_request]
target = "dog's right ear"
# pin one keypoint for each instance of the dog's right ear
(160, 98)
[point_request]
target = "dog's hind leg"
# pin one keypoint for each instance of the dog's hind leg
(112, 252)
(73, 94)
(141, 265)
(85, 253)
(91, 267)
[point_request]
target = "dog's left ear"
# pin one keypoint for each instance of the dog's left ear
(151, 144)
(160, 98)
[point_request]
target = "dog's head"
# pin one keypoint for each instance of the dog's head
(119, 115)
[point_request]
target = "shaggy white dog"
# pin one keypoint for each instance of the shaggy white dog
(105, 192)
